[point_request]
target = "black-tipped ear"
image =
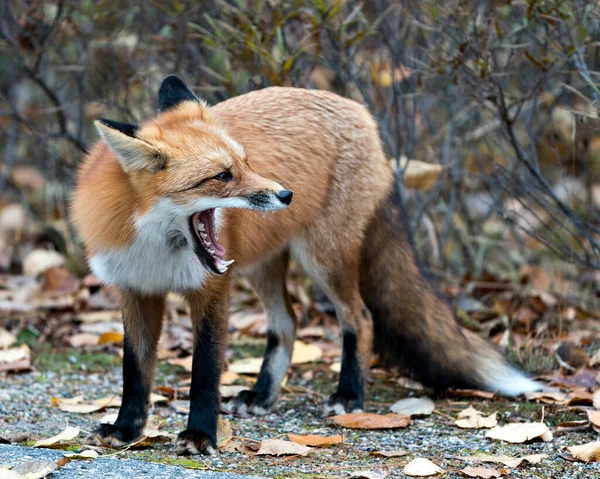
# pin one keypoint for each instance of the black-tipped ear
(172, 92)
(125, 128)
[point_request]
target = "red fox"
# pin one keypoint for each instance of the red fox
(168, 205)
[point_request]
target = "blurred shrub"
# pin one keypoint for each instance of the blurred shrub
(503, 94)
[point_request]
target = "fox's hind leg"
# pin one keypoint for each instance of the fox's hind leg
(335, 267)
(268, 281)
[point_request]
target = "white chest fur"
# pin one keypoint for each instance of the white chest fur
(154, 262)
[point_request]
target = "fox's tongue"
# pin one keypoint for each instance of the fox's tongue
(206, 225)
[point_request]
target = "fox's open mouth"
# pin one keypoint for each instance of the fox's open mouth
(210, 253)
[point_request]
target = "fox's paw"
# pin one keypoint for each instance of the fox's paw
(343, 403)
(250, 403)
(191, 443)
(112, 435)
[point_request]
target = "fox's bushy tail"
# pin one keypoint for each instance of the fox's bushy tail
(413, 326)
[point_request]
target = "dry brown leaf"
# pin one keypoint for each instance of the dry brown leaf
(224, 430)
(594, 417)
(365, 420)
(589, 452)
(421, 467)
(464, 393)
(507, 460)
(278, 447)
(471, 418)
(548, 397)
(306, 353)
(370, 474)
(389, 453)
(68, 434)
(111, 337)
(185, 363)
(245, 322)
(246, 366)
(15, 359)
(311, 332)
(35, 469)
(419, 175)
(314, 440)
(228, 378)
(81, 340)
(482, 472)
(521, 432)
(422, 406)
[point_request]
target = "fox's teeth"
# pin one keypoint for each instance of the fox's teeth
(203, 235)
(201, 227)
(227, 263)
(211, 251)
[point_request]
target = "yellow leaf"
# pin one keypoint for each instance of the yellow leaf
(419, 175)
(110, 337)
(306, 353)
(471, 418)
(421, 467)
(519, 433)
(68, 434)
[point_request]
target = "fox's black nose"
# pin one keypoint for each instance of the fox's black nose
(285, 196)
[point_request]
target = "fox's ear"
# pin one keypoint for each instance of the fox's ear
(172, 92)
(133, 153)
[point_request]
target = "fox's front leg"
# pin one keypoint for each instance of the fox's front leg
(209, 318)
(142, 322)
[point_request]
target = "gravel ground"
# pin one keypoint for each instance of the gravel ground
(108, 468)
(25, 406)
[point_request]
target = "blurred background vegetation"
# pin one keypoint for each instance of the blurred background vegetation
(501, 95)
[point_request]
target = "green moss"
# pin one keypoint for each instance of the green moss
(74, 361)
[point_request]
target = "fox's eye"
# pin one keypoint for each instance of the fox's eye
(224, 177)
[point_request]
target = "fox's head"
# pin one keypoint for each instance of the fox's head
(184, 159)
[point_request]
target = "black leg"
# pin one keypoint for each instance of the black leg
(350, 394)
(209, 348)
(142, 326)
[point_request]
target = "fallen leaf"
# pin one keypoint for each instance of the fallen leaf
(464, 393)
(369, 474)
(419, 175)
(245, 322)
(278, 447)
(15, 359)
(584, 378)
(111, 337)
(410, 384)
(389, 453)
(75, 405)
(422, 406)
(14, 437)
(81, 340)
(68, 434)
(7, 339)
(87, 454)
(594, 418)
(311, 332)
(224, 430)
(365, 420)
(314, 440)
(306, 353)
(99, 316)
(40, 260)
(586, 452)
(153, 436)
(508, 461)
(548, 397)
(520, 432)
(185, 363)
(110, 418)
(229, 377)
(246, 366)
(35, 469)
(480, 472)
(471, 418)
(336, 367)
(231, 391)
(421, 467)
